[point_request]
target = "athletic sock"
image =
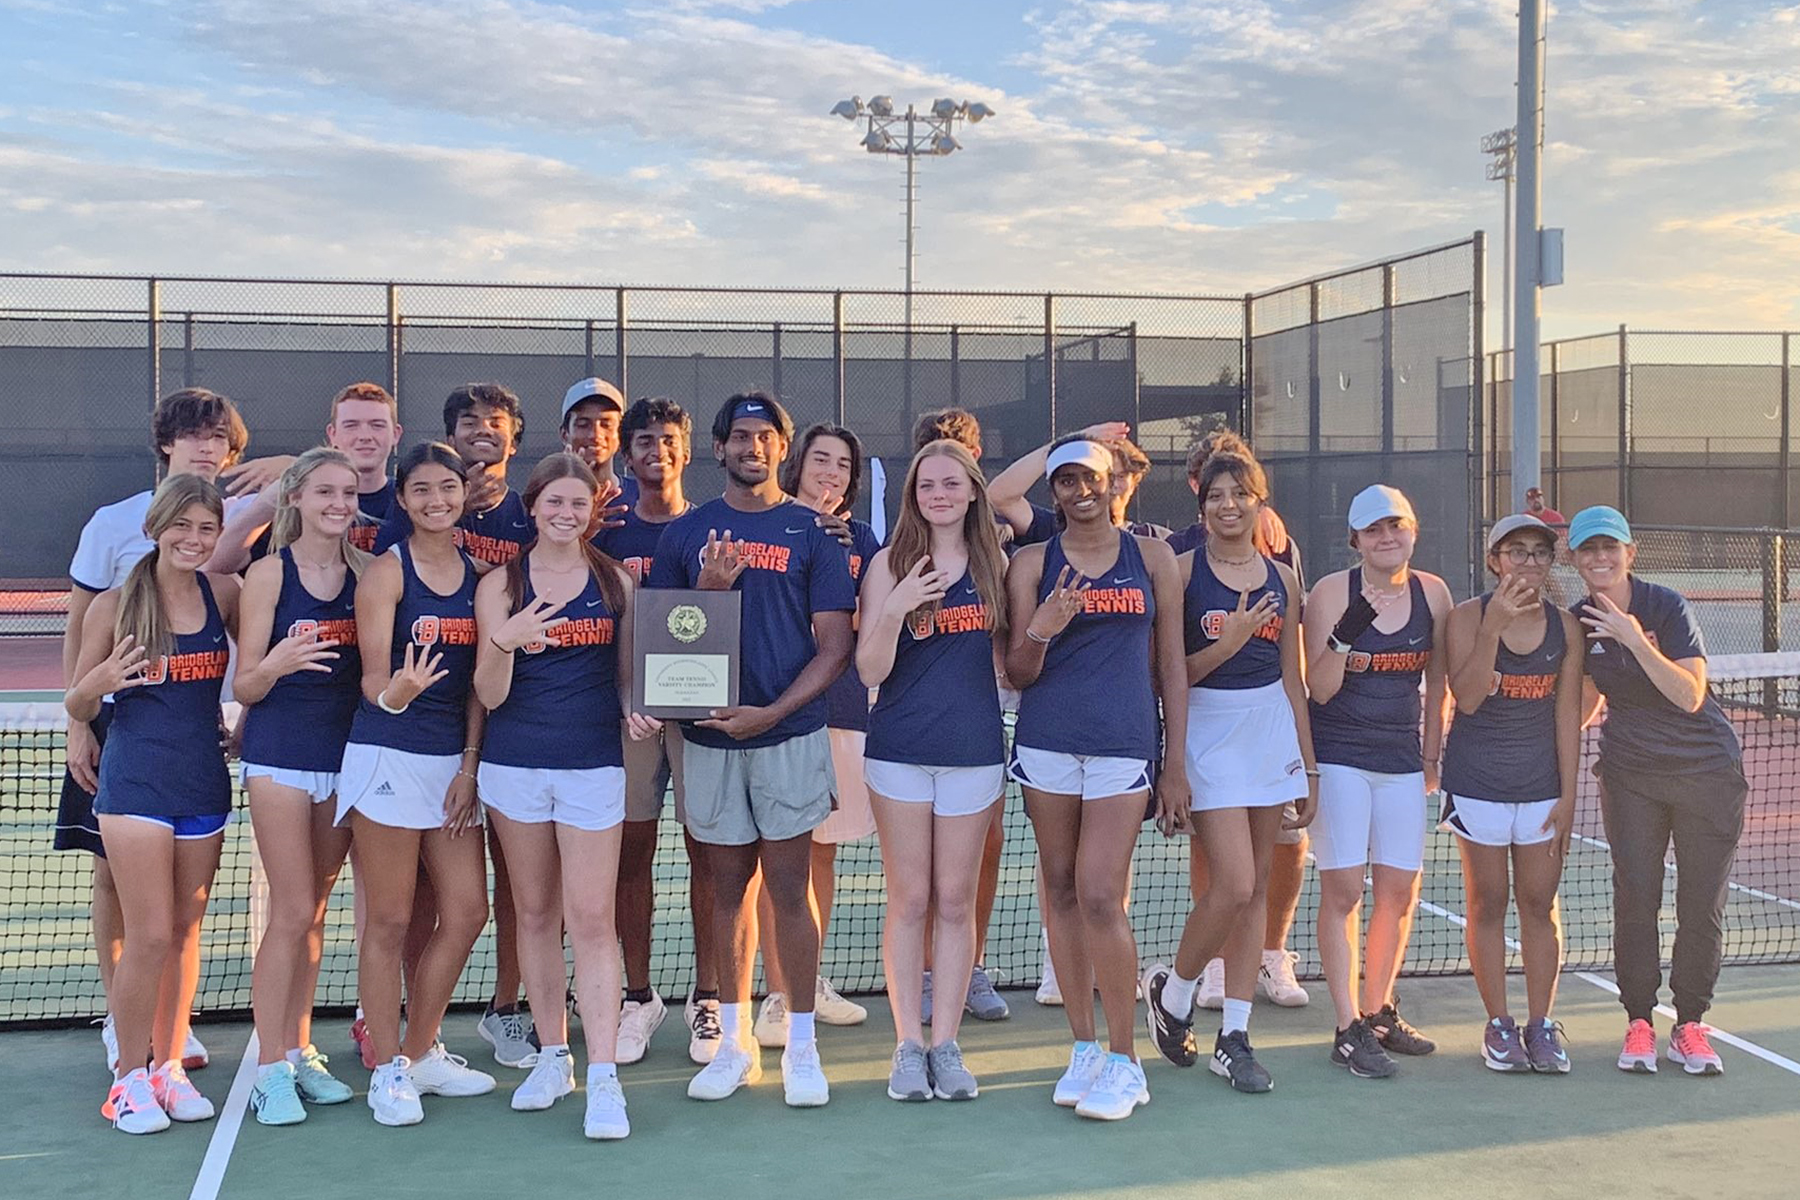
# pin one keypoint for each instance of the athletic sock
(706, 994)
(293, 1056)
(553, 1051)
(1178, 995)
(800, 1028)
(731, 1019)
(1087, 1045)
(638, 995)
(1237, 1017)
(602, 1071)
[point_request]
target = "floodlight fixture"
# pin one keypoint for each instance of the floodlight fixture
(944, 108)
(848, 109)
(977, 112)
(882, 106)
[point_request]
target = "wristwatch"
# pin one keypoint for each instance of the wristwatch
(1337, 643)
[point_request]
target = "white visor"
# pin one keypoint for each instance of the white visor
(1088, 454)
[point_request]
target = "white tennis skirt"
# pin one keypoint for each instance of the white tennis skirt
(1242, 750)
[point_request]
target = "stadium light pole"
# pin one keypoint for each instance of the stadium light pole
(1527, 253)
(912, 135)
(1501, 147)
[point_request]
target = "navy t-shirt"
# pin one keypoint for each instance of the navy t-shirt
(1042, 528)
(1643, 730)
(373, 509)
(494, 537)
(795, 570)
(633, 543)
(847, 700)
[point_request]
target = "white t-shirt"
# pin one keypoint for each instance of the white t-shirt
(113, 541)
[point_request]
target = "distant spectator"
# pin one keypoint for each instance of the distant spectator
(1534, 505)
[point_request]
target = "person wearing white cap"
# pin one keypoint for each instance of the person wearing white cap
(1095, 620)
(1509, 781)
(1671, 770)
(591, 412)
(1371, 633)
(1031, 525)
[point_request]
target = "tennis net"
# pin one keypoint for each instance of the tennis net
(47, 963)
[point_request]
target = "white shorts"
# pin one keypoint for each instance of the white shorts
(1090, 776)
(852, 818)
(1367, 817)
(1242, 749)
(394, 787)
(591, 798)
(951, 791)
(1495, 823)
(320, 785)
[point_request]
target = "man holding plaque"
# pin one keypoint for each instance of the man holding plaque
(758, 774)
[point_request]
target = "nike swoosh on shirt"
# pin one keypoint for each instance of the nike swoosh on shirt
(1414, 641)
(595, 603)
(218, 638)
(521, 524)
(1127, 579)
(802, 529)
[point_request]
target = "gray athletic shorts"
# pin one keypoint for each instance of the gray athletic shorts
(738, 797)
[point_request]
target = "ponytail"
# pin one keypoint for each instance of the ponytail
(142, 614)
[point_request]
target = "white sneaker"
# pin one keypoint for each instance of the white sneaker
(704, 1032)
(802, 1078)
(193, 1055)
(109, 1039)
(550, 1080)
(637, 1024)
(1211, 992)
(1118, 1091)
(1085, 1062)
(131, 1105)
(441, 1073)
(833, 1009)
(1275, 979)
(732, 1067)
(1049, 992)
(177, 1096)
(772, 1021)
(605, 1120)
(392, 1097)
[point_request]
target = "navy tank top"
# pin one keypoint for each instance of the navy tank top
(562, 711)
(847, 699)
(1207, 603)
(437, 719)
(1094, 695)
(304, 721)
(940, 706)
(1506, 749)
(162, 756)
(1373, 721)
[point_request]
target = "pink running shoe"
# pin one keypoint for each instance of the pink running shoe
(1639, 1054)
(1689, 1046)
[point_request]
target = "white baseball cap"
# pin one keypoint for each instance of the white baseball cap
(1514, 523)
(1088, 454)
(592, 389)
(1377, 502)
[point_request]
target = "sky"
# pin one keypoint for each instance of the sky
(1140, 145)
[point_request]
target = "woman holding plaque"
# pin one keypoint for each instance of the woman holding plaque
(934, 611)
(1096, 641)
(553, 669)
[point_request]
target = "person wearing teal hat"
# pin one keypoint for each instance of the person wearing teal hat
(1671, 770)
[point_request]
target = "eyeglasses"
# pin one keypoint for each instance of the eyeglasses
(1518, 556)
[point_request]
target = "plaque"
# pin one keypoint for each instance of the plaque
(684, 652)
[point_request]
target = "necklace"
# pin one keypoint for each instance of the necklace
(1230, 562)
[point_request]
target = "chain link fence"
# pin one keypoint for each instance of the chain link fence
(1673, 428)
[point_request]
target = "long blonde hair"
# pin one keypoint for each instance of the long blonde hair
(142, 614)
(912, 533)
(285, 530)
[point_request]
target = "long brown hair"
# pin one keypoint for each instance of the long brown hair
(285, 530)
(142, 613)
(607, 571)
(912, 533)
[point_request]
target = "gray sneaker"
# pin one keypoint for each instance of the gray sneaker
(910, 1078)
(984, 1003)
(1501, 1049)
(950, 1080)
(512, 1035)
(1543, 1045)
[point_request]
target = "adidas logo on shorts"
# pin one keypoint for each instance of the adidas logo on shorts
(1295, 767)
(384, 788)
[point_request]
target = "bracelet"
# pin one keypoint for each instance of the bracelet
(381, 702)
(471, 749)
(1042, 641)
(498, 646)
(1312, 774)
(465, 774)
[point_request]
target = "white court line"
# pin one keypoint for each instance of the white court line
(225, 1133)
(1606, 985)
(1669, 868)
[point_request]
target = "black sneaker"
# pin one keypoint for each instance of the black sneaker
(1395, 1035)
(1173, 1036)
(1357, 1049)
(1233, 1059)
